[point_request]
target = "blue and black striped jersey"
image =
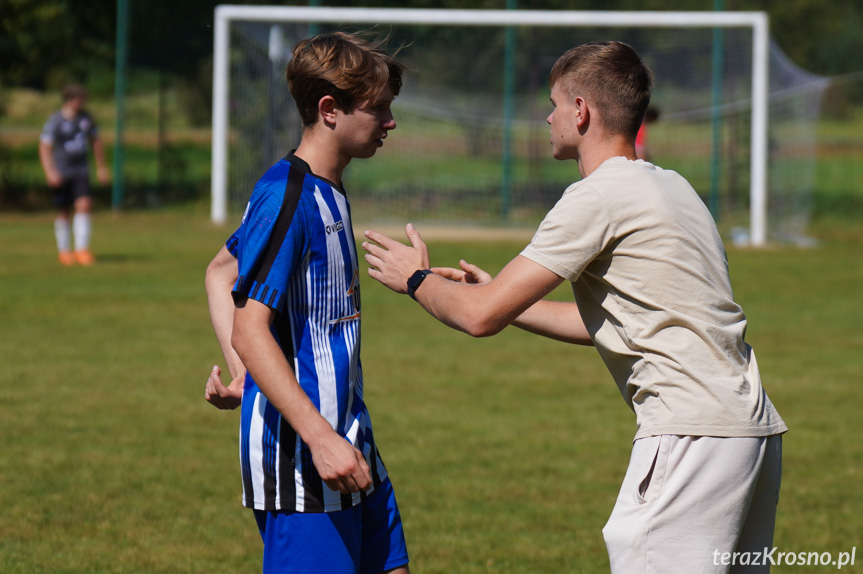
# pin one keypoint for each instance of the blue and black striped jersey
(296, 254)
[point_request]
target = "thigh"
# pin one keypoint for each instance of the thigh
(383, 544)
(627, 528)
(80, 186)
(311, 543)
(687, 508)
(757, 534)
(61, 195)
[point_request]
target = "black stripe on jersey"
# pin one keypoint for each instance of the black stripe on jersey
(248, 485)
(287, 434)
(373, 466)
(293, 190)
(313, 497)
(269, 463)
(287, 466)
(347, 501)
(233, 242)
(374, 456)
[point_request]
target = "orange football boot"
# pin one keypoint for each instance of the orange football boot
(84, 257)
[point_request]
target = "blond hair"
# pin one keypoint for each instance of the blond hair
(344, 66)
(611, 76)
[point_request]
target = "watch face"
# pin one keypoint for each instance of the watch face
(416, 279)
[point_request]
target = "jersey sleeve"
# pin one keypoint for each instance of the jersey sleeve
(47, 135)
(573, 233)
(233, 242)
(270, 245)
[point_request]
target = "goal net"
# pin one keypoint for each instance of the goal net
(471, 144)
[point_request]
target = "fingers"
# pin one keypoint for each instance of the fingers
(418, 244)
(449, 273)
(373, 249)
(357, 477)
(414, 236)
(473, 273)
(220, 396)
(380, 239)
(365, 474)
(361, 478)
(210, 388)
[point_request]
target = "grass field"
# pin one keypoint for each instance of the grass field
(506, 452)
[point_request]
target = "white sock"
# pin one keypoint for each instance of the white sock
(81, 228)
(61, 232)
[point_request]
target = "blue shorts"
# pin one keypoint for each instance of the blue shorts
(365, 539)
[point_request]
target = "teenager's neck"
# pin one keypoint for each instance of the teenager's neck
(321, 157)
(592, 156)
(69, 112)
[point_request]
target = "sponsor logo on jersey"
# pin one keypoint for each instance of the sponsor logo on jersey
(335, 227)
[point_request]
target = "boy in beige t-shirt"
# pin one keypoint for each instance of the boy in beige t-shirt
(652, 292)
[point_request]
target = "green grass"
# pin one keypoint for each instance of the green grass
(506, 452)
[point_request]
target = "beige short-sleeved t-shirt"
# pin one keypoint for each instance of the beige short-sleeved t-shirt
(650, 277)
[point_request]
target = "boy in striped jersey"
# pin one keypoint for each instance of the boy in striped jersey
(652, 293)
(285, 303)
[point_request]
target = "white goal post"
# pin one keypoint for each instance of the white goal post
(756, 21)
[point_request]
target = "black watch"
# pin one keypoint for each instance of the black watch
(415, 280)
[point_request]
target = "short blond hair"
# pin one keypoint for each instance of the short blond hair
(612, 76)
(344, 66)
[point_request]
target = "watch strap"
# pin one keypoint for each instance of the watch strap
(415, 280)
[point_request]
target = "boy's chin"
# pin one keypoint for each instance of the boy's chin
(366, 152)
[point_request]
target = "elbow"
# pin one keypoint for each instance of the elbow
(484, 326)
(220, 272)
(238, 339)
(210, 275)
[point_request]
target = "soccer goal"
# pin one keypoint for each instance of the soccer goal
(736, 117)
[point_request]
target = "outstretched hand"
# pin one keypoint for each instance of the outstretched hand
(391, 262)
(469, 273)
(220, 396)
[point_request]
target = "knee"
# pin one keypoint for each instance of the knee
(83, 205)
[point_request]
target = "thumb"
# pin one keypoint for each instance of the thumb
(414, 236)
(216, 371)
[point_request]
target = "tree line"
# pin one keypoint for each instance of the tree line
(44, 43)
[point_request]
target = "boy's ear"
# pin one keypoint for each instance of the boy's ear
(327, 109)
(582, 112)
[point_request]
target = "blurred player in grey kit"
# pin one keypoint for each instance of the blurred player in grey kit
(63, 154)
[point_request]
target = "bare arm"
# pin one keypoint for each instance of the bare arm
(338, 462)
(478, 309)
(52, 176)
(101, 166)
(553, 319)
(219, 281)
(557, 320)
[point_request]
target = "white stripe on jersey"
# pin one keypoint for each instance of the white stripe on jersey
(324, 361)
(256, 453)
(298, 476)
(278, 461)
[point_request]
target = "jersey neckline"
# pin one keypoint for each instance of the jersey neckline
(303, 166)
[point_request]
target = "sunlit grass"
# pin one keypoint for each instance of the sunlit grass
(506, 452)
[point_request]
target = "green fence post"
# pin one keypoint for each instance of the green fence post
(716, 114)
(120, 101)
(508, 111)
